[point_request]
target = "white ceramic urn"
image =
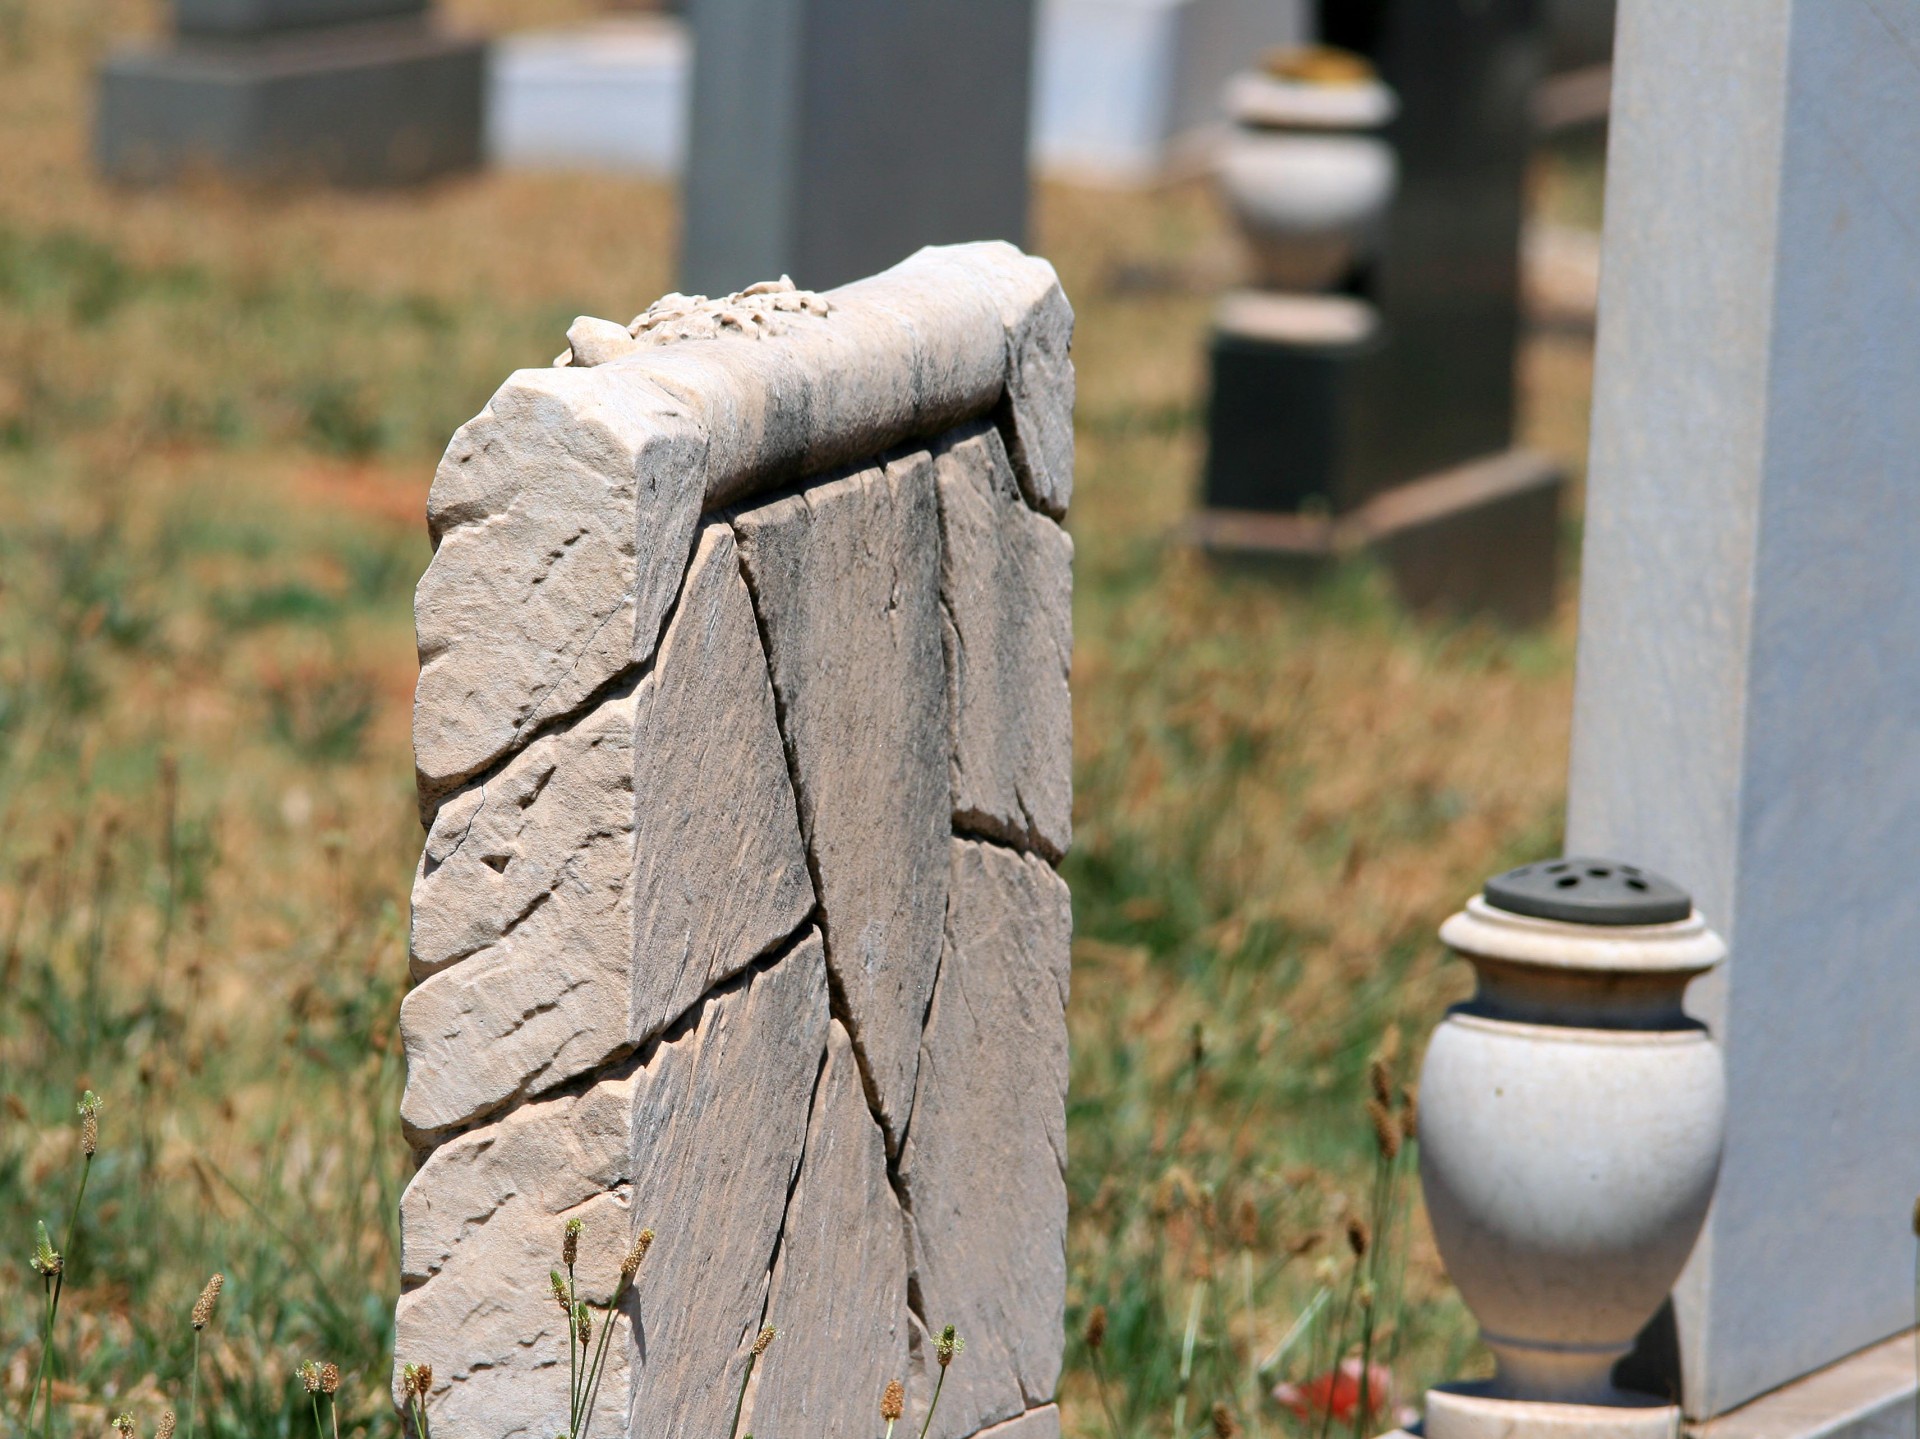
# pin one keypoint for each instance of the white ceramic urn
(1571, 1118)
(1305, 172)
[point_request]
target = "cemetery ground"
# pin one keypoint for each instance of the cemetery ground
(218, 416)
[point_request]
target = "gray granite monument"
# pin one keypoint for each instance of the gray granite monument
(1748, 700)
(830, 138)
(357, 92)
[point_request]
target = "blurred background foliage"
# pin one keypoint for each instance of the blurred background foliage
(219, 414)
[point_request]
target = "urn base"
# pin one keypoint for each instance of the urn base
(1468, 1411)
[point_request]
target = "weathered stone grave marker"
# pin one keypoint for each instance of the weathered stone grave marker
(743, 741)
(1748, 703)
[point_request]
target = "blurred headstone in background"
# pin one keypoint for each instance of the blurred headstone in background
(1374, 408)
(357, 92)
(832, 138)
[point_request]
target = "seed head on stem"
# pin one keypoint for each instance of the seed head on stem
(767, 1336)
(1357, 1236)
(1386, 1133)
(630, 1266)
(164, 1430)
(329, 1378)
(123, 1426)
(309, 1373)
(209, 1297)
(893, 1403)
(570, 1243)
(948, 1345)
(1380, 1081)
(1225, 1426)
(90, 1106)
(46, 1260)
(1097, 1328)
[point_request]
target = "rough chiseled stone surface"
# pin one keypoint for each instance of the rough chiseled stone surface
(555, 929)
(1040, 391)
(1006, 595)
(984, 1166)
(720, 874)
(562, 518)
(840, 1284)
(735, 919)
(699, 1139)
(845, 578)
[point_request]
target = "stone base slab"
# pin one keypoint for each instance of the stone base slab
(1868, 1395)
(1481, 537)
(1462, 1411)
(383, 103)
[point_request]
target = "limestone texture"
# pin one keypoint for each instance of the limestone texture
(845, 578)
(839, 1286)
(697, 1138)
(562, 517)
(1040, 388)
(1006, 597)
(743, 745)
(611, 874)
(983, 1169)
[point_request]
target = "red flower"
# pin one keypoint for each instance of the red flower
(1337, 1392)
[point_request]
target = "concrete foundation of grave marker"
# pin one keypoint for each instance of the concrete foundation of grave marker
(744, 740)
(356, 92)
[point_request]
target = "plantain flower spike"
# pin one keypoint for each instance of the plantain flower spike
(90, 1106)
(893, 1403)
(46, 1259)
(1097, 1327)
(630, 1266)
(570, 1243)
(204, 1305)
(948, 1345)
(329, 1378)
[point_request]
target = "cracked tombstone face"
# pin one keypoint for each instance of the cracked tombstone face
(743, 747)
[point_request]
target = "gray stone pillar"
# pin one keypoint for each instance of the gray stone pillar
(1747, 713)
(831, 138)
(359, 92)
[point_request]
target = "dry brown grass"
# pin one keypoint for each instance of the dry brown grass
(204, 562)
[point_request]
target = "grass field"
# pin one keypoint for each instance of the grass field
(219, 414)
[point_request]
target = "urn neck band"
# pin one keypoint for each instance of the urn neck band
(1548, 971)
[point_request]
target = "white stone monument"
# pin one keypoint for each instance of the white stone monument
(743, 742)
(1748, 697)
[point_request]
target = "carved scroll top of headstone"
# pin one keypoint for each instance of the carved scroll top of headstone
(561, 511)
(756, 312)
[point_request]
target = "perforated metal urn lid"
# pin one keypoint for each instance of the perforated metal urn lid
(1582, 890)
